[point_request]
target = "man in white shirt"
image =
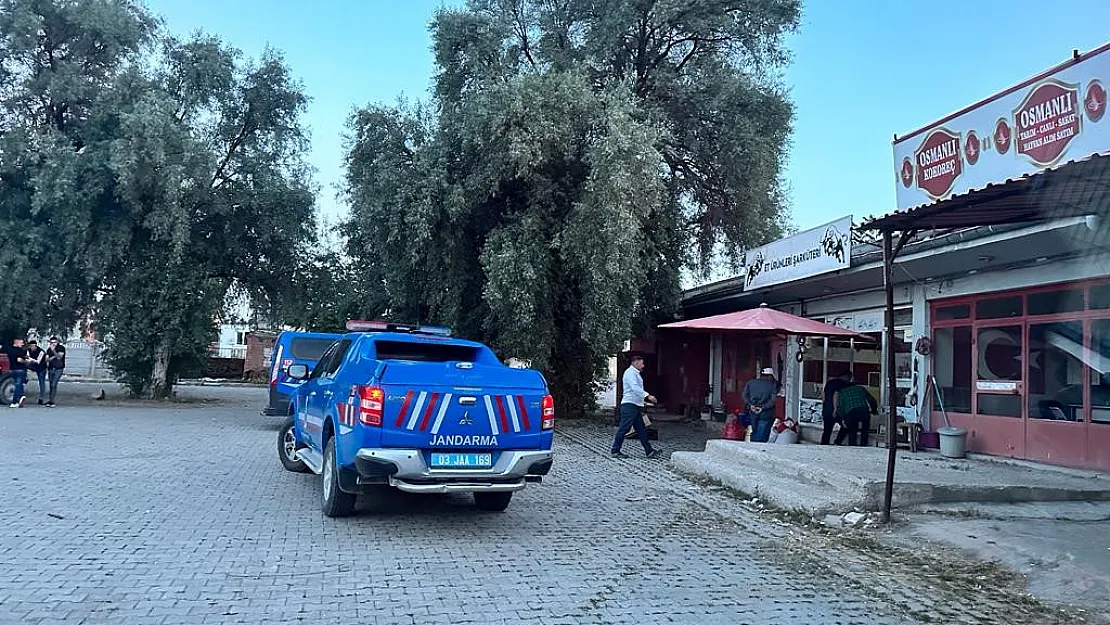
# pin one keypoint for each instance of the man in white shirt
(632, 408)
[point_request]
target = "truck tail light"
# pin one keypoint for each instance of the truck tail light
(548, 420)
(371, 405)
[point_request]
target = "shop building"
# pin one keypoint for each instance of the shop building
(1000, 291)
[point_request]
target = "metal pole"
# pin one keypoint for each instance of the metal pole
(891, 374)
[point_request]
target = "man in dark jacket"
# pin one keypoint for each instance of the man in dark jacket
(17, 366)
(828, 417)
(55, 366)
(36, 364)
(759, 398)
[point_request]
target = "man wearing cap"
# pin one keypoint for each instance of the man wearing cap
(631, 409)
(759, 397)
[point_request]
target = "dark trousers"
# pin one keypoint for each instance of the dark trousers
(826, 434)
(631, 419)
(761, 426)
(55, 375)
(19, 379)
(858, 422)
(41, 374)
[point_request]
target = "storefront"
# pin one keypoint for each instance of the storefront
(1027, 372)
(1017, 347)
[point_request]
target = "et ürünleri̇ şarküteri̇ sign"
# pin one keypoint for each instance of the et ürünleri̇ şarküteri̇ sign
(819, 250)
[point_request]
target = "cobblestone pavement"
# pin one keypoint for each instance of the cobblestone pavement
(137, 514)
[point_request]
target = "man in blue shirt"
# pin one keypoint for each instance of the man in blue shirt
(633, 397)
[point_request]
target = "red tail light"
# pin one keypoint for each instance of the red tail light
(548, 420)
(371, 405)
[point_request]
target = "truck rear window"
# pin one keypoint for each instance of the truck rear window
(425, 352)
(309, 349)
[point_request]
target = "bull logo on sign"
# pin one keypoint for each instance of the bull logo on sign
(754, 269)
(833, 244)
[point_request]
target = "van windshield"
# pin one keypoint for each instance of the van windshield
(425, 352)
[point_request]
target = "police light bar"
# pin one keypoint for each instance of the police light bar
(361, 325)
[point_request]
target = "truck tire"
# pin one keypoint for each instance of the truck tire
(336, 502)
(287, 449)
(493, 502)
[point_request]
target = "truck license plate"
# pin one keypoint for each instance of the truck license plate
(462, 461)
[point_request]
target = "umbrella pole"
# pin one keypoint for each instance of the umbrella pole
(891, 374)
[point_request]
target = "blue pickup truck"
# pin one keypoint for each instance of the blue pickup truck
(415, 409)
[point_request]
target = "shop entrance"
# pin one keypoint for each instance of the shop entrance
(1027, 373)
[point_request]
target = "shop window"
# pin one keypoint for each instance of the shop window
(1054, 302)
(1100, 297)
(998, 308)
(952, 368)
(813, 369)
(999, 367)
(999, 405)
(1055, 371)
(949, 313)
(1099, 368)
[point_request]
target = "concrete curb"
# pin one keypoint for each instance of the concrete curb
(788, 483)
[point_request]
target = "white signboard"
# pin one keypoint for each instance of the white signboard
(1050, 119)
(810, 253)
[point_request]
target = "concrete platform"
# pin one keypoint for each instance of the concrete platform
(829, 479)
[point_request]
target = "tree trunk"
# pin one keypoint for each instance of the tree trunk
(160, 387)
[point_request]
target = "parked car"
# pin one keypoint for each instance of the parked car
(290, 348)
(7, 386)
(414, 409)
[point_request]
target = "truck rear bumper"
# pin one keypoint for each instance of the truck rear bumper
(406, 470)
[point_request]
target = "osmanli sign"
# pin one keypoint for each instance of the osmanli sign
(1047, 120)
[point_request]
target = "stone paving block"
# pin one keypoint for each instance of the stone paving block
(181, 513)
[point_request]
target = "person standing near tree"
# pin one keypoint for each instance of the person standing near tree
(17, 364)
(633, 397)
(55, 366)
(36, 363)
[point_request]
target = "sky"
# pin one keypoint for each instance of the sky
(862, 71)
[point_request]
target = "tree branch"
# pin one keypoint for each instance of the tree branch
(522, 32)
(233, 146)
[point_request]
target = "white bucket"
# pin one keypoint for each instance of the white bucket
(953, 442)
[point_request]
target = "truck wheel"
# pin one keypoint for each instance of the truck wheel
(493, 502)
(287, 449)
(7, 389)
(336, 502)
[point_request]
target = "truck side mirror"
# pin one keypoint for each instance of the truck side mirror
(298, 372)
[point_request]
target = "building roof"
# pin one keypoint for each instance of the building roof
(1073, 189)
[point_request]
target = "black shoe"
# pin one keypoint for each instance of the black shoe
(49, 404)
(655, 453)
(616, 454)
(42, 403)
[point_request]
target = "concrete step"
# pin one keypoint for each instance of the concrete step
(761, 457)
(769, 486)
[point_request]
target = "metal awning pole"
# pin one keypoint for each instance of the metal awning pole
(891, 374)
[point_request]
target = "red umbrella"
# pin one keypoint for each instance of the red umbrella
(764, 320)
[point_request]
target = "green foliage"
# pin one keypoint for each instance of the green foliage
(140, 178)
(579, 154)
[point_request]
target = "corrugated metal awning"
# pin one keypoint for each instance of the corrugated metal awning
(1074, 189)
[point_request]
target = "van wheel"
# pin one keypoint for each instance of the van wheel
(336, 502)
(493, 502)
(287, 449)
(7, 389)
